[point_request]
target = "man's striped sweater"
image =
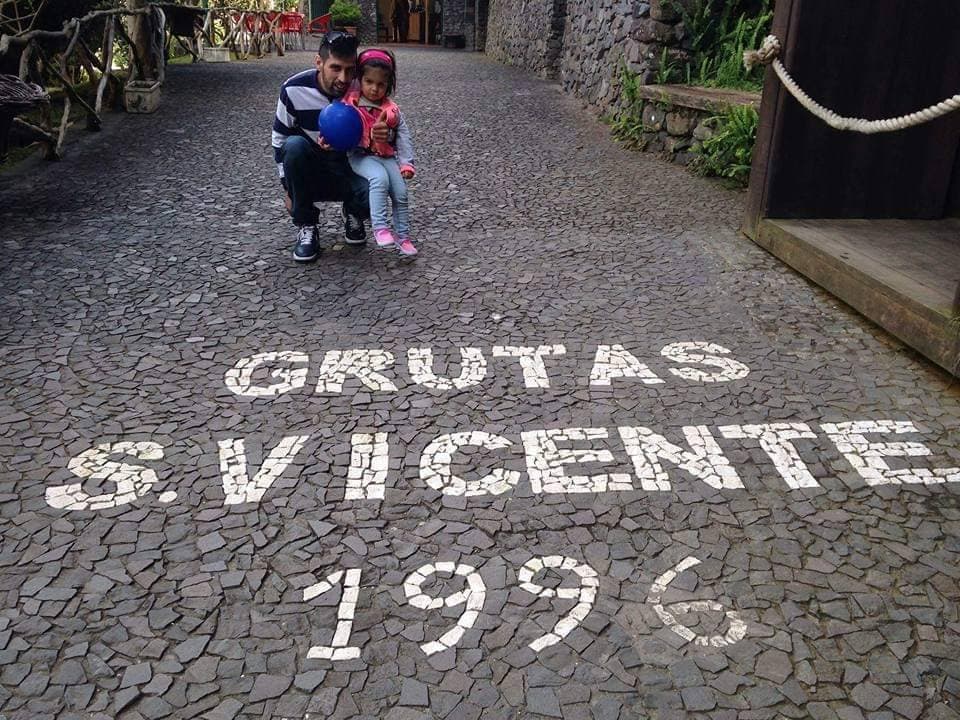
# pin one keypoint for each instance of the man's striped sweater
(298, 111)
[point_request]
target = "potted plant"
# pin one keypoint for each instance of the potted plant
(346, 15)
(142, 96)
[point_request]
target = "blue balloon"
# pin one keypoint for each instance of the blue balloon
(341, 126)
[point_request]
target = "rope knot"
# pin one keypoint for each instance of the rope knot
(768, 52)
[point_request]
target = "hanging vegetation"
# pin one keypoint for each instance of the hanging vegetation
(718, 32)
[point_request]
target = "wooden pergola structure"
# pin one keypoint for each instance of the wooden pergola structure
(84, 47)
(86, 42)
(874, 219)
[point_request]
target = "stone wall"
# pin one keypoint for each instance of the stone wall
(367, 31)
(602, 37)
(458, 19)
(676, 117)
(595, 34)
(584, 43)
(527, 33)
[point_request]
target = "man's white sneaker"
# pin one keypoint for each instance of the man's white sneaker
(307, 247)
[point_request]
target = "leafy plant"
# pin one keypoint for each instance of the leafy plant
(729, 151)
(666, 69)
(718, 40)
(345, 13)
(627, 124)
(700, 23)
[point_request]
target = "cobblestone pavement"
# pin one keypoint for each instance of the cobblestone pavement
(706, 490)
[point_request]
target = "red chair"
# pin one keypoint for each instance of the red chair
(319, 25)
(248, 20)
(291, 28)
(291, 22)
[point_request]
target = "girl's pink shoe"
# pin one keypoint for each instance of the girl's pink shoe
(406, 247)
(385, 238)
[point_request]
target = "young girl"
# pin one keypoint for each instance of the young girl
(386, 166)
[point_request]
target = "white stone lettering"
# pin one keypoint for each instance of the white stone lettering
(237, 486)
(239, 378)
(736, 631)
(545, 462)
(473, 369)
(775, 440)
(338, 648)
(361, 364)
(585, 595)
(705, 460)
(613, 361)
(704, 353)
(474, 595)
(867, 458)
(531, 361)
(369, 462)
(435, 465)
(132, 481)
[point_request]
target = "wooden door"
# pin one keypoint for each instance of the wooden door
(865, 58)
(319, 7)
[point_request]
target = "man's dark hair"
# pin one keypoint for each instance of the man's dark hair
(338, 43)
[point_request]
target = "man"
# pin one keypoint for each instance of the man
(394, 35)
(310, 171)
(401, 11)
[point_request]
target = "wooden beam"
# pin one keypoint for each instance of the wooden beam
(38, 134)
(900, 274)
(71, 93)
(107, 63)
(138, 33)
(771, 105)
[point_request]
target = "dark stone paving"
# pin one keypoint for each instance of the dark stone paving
(144, 267)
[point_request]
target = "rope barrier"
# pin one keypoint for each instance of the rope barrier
(768, 54)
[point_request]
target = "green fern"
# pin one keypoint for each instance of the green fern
(729, 152)
(666, 70)
(719, 39)
(627, 124)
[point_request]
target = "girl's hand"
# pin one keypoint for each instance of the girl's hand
(406, 174)
(323, 143)
(379, 132)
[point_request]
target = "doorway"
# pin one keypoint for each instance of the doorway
(481, 13)
(422, 24)
(319, 7)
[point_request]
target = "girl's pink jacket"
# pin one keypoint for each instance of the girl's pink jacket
(371, 116)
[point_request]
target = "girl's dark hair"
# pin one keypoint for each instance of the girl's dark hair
(363, 63)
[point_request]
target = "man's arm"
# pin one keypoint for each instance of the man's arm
(284, 125)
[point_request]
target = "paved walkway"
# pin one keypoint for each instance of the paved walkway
(236, 487)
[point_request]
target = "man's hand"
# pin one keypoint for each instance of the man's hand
(406, 174)
(323, 143)
(379, 132)
(288, 203)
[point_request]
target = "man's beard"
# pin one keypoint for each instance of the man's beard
(333, 89)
